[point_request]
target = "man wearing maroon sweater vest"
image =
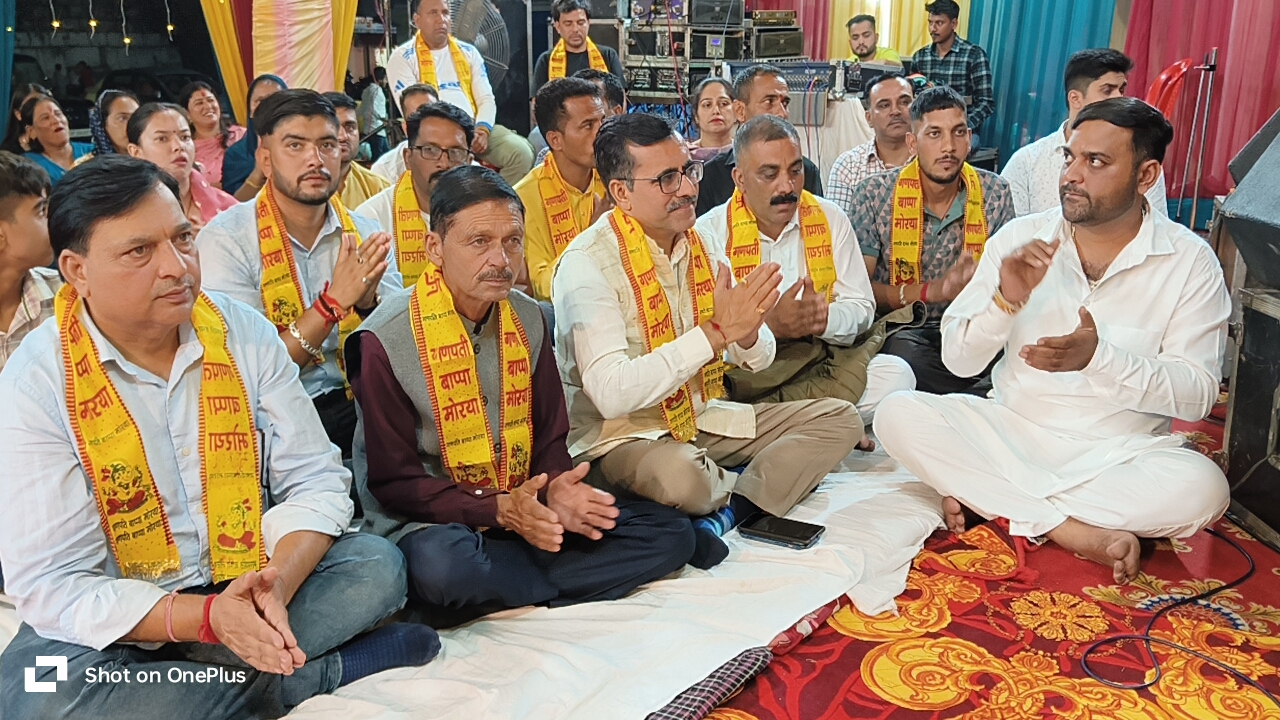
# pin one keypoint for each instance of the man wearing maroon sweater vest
(460, 454)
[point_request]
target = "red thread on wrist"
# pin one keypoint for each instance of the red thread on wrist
(326, 312)
(206, 633)
(924, 293)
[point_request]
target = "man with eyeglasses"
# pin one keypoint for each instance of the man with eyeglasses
(645, 318)
(438, 139)
(757, 90)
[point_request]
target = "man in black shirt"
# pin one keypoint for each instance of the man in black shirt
(574, 51)
(757, 90)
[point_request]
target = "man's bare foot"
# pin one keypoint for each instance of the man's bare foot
(866, 444)
(1116, 549)
(953, 514)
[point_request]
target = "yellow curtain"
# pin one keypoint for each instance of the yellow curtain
(344, 27)
(222, 29)
(842, 10)
(911, 25)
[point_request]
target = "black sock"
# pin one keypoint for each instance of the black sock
(390, 646)
(743, 508)
(708, 549)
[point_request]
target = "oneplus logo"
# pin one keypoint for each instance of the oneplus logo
(54, 661)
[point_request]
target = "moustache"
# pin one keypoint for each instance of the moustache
(506, 275)
(1074, 190)
(787, 199)
(682, 203)
(185, 283)
(321, 174)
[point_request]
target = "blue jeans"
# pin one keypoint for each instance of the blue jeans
(358, 582)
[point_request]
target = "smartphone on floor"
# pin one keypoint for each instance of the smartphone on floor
(781, 531)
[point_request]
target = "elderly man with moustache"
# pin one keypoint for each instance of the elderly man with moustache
(461, 459)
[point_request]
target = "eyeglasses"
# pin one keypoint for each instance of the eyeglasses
(669, 182)
(457, 156)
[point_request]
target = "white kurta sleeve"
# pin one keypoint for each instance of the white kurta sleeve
(974, 329)
(618, 384)
(854, 308)
(1182, 380)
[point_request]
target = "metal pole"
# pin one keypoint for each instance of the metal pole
(1191, 142)
(1211, 69)
(528, 42)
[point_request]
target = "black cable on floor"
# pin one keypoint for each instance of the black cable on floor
(1147, 641)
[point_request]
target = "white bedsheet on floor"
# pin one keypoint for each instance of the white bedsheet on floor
(627, 658)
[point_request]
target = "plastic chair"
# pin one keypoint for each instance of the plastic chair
(1167, 87)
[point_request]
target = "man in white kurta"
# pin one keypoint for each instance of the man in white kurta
(619, 390)
(825, 348)
(447, 63)
(1032, 171)
(1111, 318)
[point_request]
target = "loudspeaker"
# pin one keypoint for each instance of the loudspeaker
(777, 43)
(606, 33)
(1249, 154)
(1252, 215)
(726, 13)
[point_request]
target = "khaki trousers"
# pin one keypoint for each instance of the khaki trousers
(510, 153)
(796, 445)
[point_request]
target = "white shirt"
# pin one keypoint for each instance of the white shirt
(1034, 173)
(373, 109)
(402, 71)
(854, 308)
(1161, 309)
(381, 208)
(391, 165)
(58, 566)
(591, 345)
(231, 262)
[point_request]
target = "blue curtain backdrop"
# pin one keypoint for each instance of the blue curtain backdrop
(1028, 43)
(8, 10)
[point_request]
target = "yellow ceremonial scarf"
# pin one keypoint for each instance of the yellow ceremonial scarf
(449, 363)
(560, 58)
(907, 230)
(744, 241)
(410, 232)
(656, 314)
(555, 203)
(461, 66)
(281, 290)
(114, 458)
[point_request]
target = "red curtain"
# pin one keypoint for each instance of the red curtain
(814, 17)
(242, 14)
(1247, 87)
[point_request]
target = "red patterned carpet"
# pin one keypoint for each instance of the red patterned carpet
(972, 642)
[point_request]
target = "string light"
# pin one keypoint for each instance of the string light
(124, 28)
(56, 22)
(168, 21)
(93, 21)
